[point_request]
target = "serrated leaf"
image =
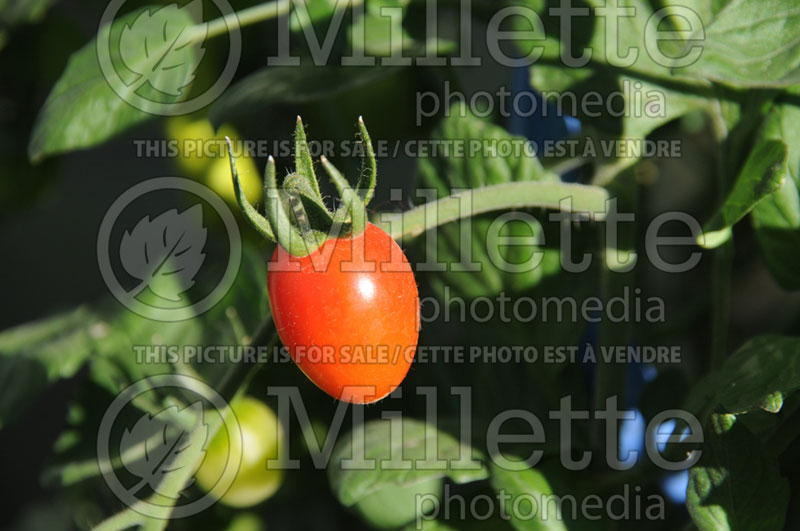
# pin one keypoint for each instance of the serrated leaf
(751, 44)
(82, 109)
(37, 354)
(639, 90)
(736, 485)
(776, 219)
(351, 485)
(763, 369)
(292, 84)
(627, 35)
(763, 173)
(168, 246)
(647, 106)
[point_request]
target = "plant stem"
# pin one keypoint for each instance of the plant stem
(240, 19)
(723, 255)
(611, 378)
(588, 199)
(723, 263)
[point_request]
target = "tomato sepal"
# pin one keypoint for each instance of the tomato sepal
(296, 216)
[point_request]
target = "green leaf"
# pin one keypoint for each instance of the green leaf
(420, 444)
(705, 9)
(292, 84)
(160, 50)
(34, 355)
(114, 364)
(762, 174)
(14, 12)
(315, 11)
(776, 219)
(155, 54)
(557, 494)
(456, 520)
(239, 314)
(736, 485)
(74, 456)
(628, 35)
(751, 44)
(514, 485)
(378, 34)
(637, 93)
(761, 374)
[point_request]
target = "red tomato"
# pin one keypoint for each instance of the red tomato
(348, 313)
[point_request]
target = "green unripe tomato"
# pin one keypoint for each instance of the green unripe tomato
(202, 154)
(396, 505)
(188, 133)
(246, 521)
(260, 433)
(218, 178)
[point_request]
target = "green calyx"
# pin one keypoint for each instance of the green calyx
(296, 217)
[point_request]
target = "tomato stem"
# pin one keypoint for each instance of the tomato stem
(288, 235)
(236, 20)
(590, 200)
(310, 223)
(296, 215)
(352, 207)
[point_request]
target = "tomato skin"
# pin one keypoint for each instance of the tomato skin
(260, 432)
(348, 313)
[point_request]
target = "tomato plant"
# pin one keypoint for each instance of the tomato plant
(345, 305)
(554, 286)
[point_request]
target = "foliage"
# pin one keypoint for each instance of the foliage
(744, 89)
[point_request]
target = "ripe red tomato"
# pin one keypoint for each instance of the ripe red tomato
(348, 314)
